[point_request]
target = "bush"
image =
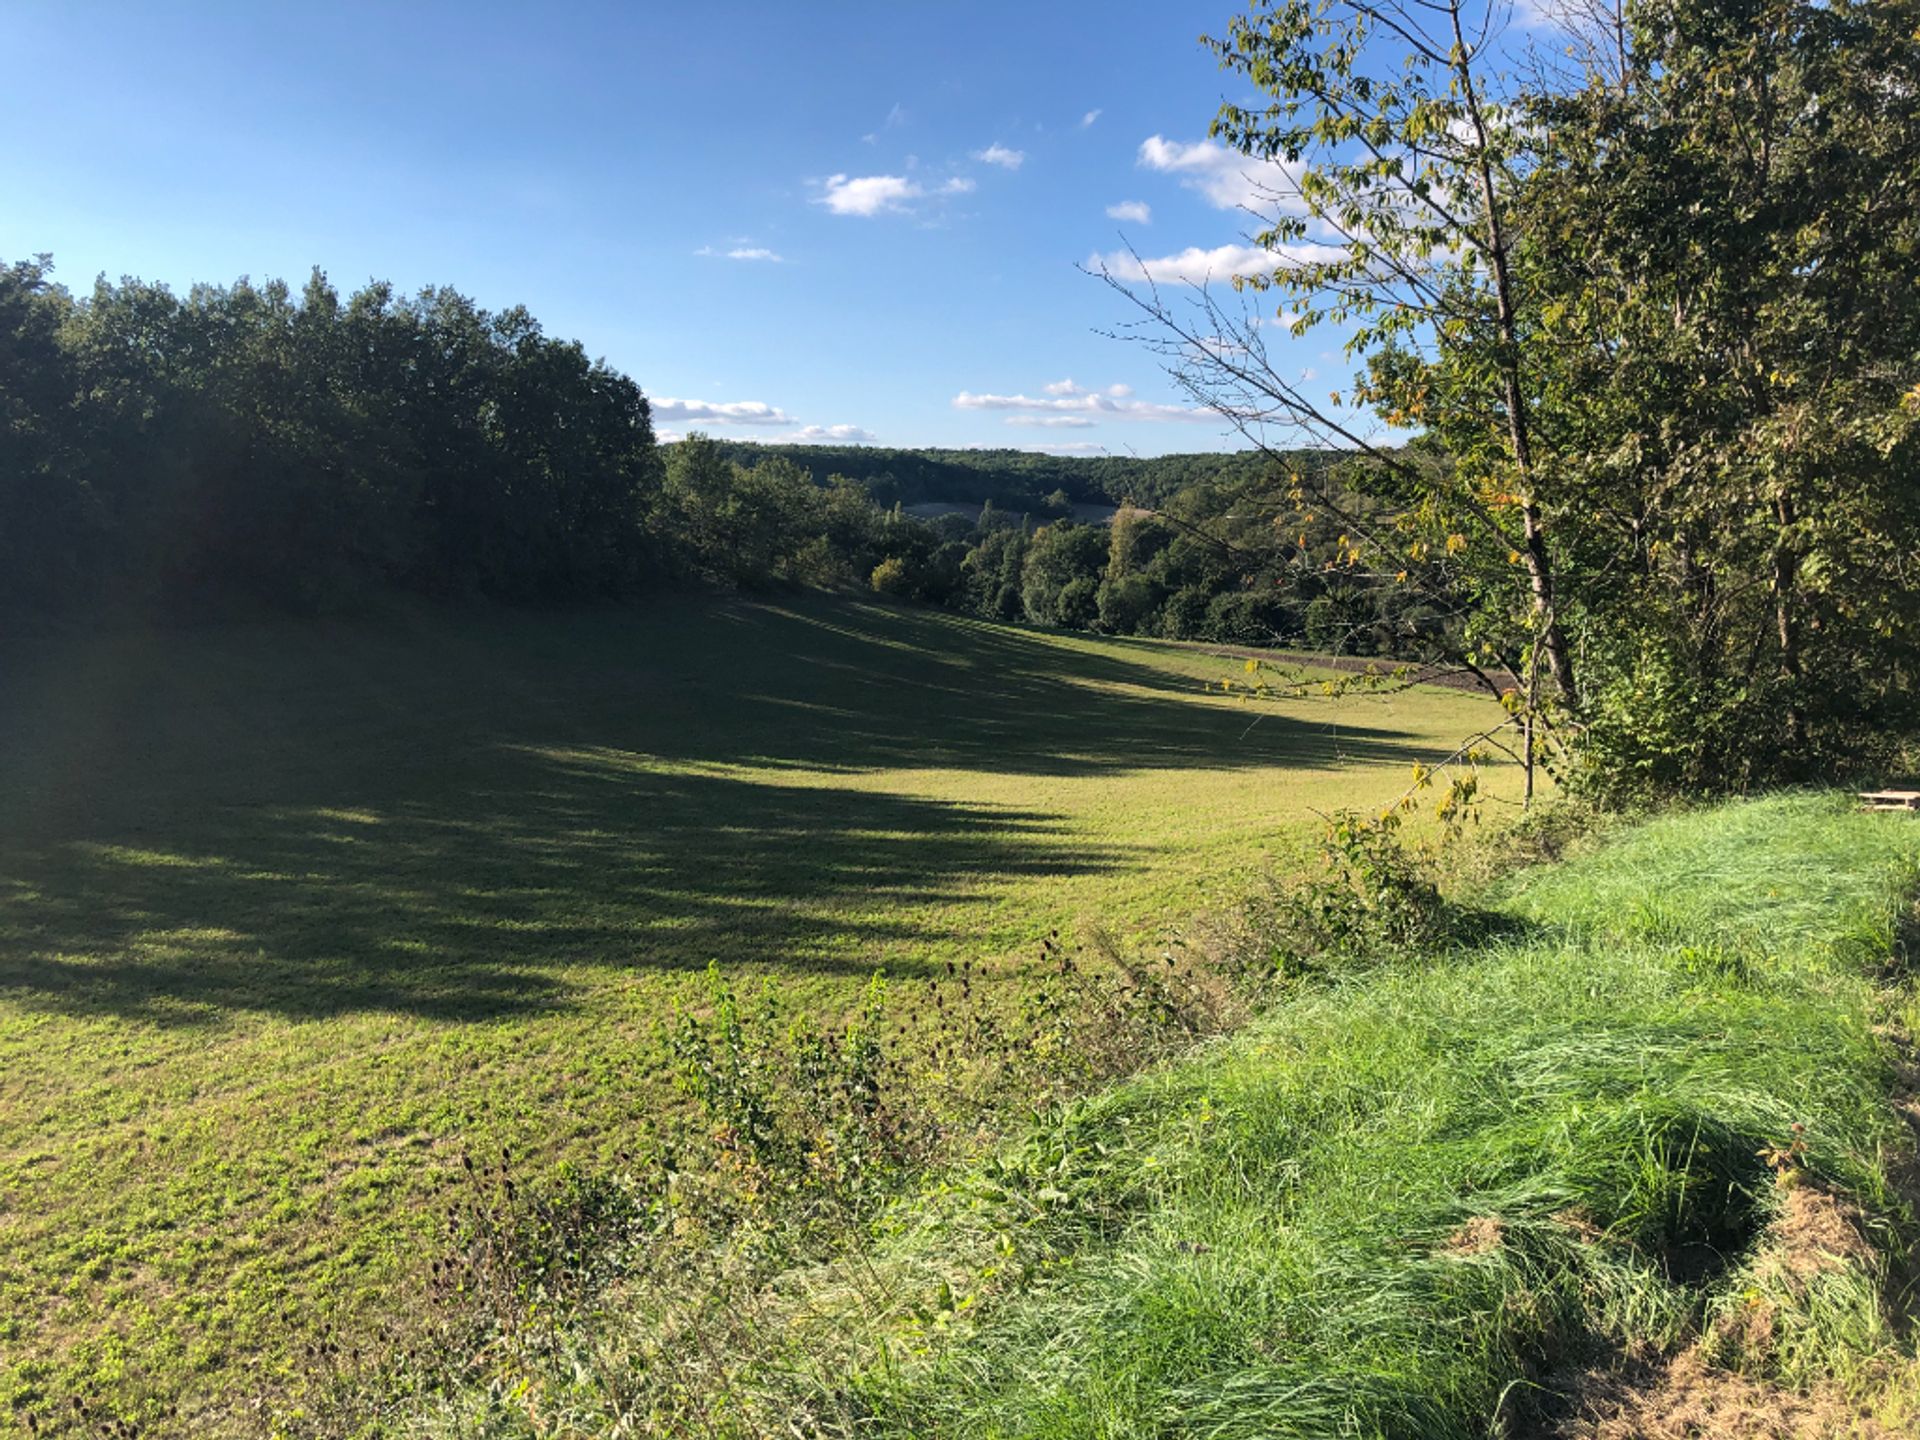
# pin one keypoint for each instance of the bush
(1078, 604)
(1245, 617)
(1184, 615)
(1369, 899)
(1124, 603)
(894, 578)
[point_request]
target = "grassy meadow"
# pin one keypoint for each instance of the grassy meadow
(1659, 1109)
(293, 912)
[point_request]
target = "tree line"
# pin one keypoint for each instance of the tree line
(247, 444)
(245, 440)
(1026, 481)
(1233, 560)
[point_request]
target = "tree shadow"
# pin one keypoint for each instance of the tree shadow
(450, 816)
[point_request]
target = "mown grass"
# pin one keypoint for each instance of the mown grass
(1400, 1203)
(293, 913)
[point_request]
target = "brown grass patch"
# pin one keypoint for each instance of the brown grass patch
(1687, 1398)
(1481, 1234)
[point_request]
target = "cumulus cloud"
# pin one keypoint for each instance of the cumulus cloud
(1195, 266)
(1000, 155)
(1087, 119)
(870, 195)
(1113, 403)
(1192, 265)
(743, 252)
(723, 412)
(826, 435)
(1138, 211)
(1069, 387)
(867, 194)
(1227, 178)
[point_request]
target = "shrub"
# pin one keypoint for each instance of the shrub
(894, 578)
(1124, 603)
(1368, 899)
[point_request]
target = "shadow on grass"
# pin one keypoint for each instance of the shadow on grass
(444, 815)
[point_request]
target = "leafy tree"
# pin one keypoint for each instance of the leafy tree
(1059, 558)
(1654, 318)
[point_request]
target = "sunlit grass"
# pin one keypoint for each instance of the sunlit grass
(292, 913)
(1412, 1204)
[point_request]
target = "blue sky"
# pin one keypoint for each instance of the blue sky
(815, 220)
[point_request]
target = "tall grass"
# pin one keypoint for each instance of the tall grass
(1401, 1204)
(1394, 1205)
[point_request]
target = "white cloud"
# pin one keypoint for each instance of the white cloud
(1229, 180)
(867, 194)
(1002, 156)
(870, 195)
(1192, 265)
(1052, 422)
(826, 435)
(1068, 387)
(1113, 403)
(1138, 211)
(711, 412)
(1195, 266)
(1088, 118)
(743, 252)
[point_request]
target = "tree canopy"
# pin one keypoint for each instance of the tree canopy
(1651, 306)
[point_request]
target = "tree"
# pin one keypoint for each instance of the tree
(1059, 559)
(1632, 308)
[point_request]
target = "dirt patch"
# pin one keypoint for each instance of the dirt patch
(1579, 1220)
(1480, 1235)
(1688, 1399)
(1680, 1398)
(1815, 1231)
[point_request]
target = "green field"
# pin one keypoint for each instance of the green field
(296, 911)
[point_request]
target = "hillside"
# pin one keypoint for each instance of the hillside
(299, 912)
(1022, 480)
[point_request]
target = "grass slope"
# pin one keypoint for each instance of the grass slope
(1392, 1205)
(291, 913)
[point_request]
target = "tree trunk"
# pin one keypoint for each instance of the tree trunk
(1534, 555)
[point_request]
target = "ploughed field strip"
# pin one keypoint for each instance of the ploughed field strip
(293, 913)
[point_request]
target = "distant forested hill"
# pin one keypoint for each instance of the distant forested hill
(1021, 480)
